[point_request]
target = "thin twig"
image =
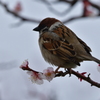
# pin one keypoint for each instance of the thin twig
(17, 15)
(77, 74)
(62, 74)
(25, 19)
(49, 6)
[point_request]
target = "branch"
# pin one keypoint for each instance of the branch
(49, 6)
(94, 5)
(17, 15)
(72, 3)
(68, 1)
(87, 79)
(73, 18)
(81, 76)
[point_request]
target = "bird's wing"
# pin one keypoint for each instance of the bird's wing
(60, 48)
(85, 46)
(64, 32)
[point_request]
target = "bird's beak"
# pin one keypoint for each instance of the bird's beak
(36, 29)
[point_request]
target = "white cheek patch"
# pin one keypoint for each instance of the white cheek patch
(40, 33)
(45, 41)
(56, 24)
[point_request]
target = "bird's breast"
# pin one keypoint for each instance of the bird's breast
(52, 59)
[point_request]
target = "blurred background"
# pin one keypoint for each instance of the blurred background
(18, 42)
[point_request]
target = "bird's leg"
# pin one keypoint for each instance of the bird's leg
(69, 71)
(56, 71)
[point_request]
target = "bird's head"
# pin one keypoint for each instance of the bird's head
(47, 24)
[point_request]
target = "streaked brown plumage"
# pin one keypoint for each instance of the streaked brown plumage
(60, 46)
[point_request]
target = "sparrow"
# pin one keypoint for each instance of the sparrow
(60, 46)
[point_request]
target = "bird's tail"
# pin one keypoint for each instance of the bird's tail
(96, 60)
(91, 58)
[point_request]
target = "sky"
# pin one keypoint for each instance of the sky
(20, 43)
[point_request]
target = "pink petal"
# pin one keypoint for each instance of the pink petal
(49, 73)
(36, 77)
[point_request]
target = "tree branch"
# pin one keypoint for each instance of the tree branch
(17, 15)
(72, 3)
(73, 18)
(81, 76)
(94, 5)
(87, 79)
(49, 6)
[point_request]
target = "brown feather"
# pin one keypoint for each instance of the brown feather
(61, 49)
(60, 46)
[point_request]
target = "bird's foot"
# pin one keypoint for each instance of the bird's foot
(56, 71)
(69, 71)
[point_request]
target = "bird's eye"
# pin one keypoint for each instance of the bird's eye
(45, 29)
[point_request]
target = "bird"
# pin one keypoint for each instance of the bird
(60, 46)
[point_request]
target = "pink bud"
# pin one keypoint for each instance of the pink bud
(18, 7)
(24, 64)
